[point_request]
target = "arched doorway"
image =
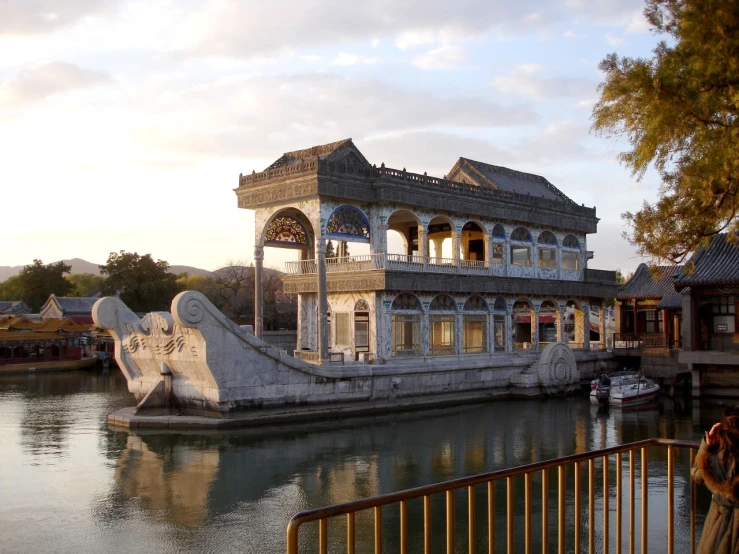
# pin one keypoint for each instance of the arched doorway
(522, 335)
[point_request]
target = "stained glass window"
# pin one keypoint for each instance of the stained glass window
(475, 304)
(500, 304)
(498, 231)
(406, 301)
(361, 306)
(443, 302)
(286, 229)
(521, 234)
(348, 221)
(571, 242)
(547, 237)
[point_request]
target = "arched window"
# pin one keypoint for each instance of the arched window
(442, 325)
(286, 230)
(361, 327)
(406, 325)
(570, 253)
(475, 326)
(548, 238)
(571, 241)
(547, 250)
(348, 223)
(521, 248)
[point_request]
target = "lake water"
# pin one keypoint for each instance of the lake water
(69, 484)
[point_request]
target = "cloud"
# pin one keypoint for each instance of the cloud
(39, 16)
(559, 142)
(258, 115)
(606, 12)
(231, 28)
(526, 80)
(445, 57)
(434, 152)
(345, 59)
(42, 81)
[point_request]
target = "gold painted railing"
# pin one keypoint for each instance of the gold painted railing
(570, 536)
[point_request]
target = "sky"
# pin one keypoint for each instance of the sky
(125, 125)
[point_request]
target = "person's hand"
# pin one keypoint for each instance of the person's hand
(712, 435)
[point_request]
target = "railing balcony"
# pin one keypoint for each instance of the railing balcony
(398, 262)
(644, 340)
(594, 499)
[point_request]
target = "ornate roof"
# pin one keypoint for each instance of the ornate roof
(715, 264)
(502, 178)
(332, 152)
(650, 282)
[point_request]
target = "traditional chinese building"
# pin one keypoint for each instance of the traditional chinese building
(490, 260)
(78, 309)
(709, 288)
(649, 310)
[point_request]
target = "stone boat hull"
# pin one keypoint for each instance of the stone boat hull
(195, 360)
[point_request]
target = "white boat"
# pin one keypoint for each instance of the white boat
(626, 388)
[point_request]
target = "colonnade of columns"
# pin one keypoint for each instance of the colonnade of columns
(582, 318)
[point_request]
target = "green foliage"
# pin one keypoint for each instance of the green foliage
(679, 112)
(144, 284)
(10, 289)
(84, 283)
(36, 282)
(330, 252)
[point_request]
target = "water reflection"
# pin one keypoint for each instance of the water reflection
(98, 490)
(199, 480)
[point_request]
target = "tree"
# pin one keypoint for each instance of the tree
(330, 252)
(84, 283)
(144, 284)
(36, 282)
(679, 111)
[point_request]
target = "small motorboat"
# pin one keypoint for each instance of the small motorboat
(623, 388)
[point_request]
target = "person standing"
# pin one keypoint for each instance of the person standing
(716, 466)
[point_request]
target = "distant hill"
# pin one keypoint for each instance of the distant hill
(83, 266)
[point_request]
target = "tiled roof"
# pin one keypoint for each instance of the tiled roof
(330, 152)
(670, 302)
(14, 307)
(716, 264)
(75, 305)
(52, 325)
(506, 179)
(650, 282)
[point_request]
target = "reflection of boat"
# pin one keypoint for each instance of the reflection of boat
(626, 388)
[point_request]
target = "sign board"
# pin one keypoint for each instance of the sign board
(722, 327)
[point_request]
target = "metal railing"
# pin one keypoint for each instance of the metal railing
(573, 534)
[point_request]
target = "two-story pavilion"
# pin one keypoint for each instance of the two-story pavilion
(491, 258)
